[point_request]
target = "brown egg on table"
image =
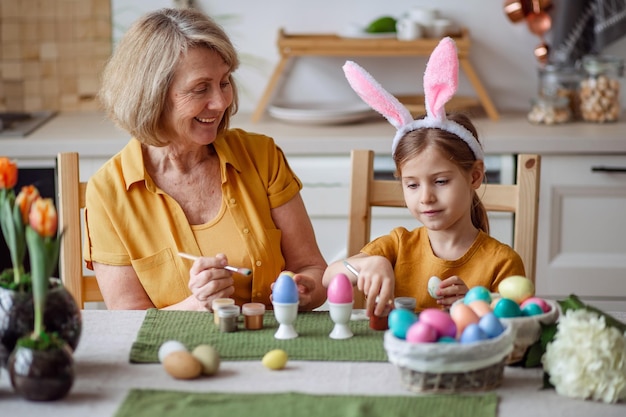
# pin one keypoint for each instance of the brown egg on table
(182, 365)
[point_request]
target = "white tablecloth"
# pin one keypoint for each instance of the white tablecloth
(104, 376)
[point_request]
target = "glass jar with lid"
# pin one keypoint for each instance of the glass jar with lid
(600, 89)
(561, 80)
(550, 110)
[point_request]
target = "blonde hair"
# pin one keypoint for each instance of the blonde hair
(453, 148)
(138, 76)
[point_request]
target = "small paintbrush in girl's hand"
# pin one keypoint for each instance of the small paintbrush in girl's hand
(242, 271)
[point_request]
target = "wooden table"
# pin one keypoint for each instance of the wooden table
(104, 376)
(292, 46)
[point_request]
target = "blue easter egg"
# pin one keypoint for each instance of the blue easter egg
(506, 308)
(400, 320)
(491, 325)
(285, 290)
(477, 293)
(473, 333)
(532, 309)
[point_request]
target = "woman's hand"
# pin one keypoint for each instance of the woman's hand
(208, 280)
(451, 289)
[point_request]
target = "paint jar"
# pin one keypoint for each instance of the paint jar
(229, 316)
(253, 315)
(406, 303)
(217, 304)
(380, 322)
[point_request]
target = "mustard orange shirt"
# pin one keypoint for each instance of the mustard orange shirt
(130, 221)
(486, 263)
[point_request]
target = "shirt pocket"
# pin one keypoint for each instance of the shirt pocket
(161, 276)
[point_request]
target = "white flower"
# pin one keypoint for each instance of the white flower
(587, 358)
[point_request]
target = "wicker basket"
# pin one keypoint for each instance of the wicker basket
(528, 330)
(446, 368)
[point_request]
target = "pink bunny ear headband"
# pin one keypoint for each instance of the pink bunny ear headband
(440, 84)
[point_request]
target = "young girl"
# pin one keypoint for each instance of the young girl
(439, 161)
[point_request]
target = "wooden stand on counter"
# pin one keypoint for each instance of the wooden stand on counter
(334, 45)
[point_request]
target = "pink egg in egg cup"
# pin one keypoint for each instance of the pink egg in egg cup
(340, 302)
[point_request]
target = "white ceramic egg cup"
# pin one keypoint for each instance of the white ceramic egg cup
(340, 314)
(286, 314)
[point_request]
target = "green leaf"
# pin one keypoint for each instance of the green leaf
(39, 274)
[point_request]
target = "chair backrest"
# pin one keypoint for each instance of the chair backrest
(70, 202)
(521, 199)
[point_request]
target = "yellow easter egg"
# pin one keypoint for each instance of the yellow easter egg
(208, 357)
(516, 288)
(275, 359)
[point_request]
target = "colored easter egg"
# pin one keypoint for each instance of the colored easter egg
(480, 307)
(285, 290)
(531, 309)
(275, 359)
(473, 333)
(340, 290)
(446, 339)
(421, 332)
(506, 308)
(539, 301)
(433, 286)
(440, 321)
(477, 293)
(462, 315)
(491, 325)
(181, 364)
(208, 357)
(517, 288)
(400, 320)
(168, 347)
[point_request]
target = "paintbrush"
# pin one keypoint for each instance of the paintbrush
(351, 268)
(242, 271)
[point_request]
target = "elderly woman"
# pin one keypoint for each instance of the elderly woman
(188, 183)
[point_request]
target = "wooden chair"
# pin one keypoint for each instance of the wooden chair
(70, 202)
(521, 199)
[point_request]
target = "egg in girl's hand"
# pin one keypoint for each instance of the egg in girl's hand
(285, 289)
(440, 321)
(517, 288)
(400, 320)
(168, 347)
(420, 332)
(473, 333)
(463, 316)
(340, 290)
(181, 364)
(477, 293)
(491, 325)
(433, 286)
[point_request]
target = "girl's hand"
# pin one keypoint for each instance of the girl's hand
(451, 289)
(209, 280)
(376, 279)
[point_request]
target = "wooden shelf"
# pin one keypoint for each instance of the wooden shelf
(292, 46)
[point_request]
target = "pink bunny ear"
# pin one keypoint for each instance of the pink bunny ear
(441, 78)
(376, 96)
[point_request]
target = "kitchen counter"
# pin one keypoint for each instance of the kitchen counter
(93, 136)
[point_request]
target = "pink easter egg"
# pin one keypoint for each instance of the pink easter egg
(340, 290)
(440, 321)
(420, 332)
(536, 300)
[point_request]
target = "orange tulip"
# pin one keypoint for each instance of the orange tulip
(43, 217)
(8, 173)
(25, 199)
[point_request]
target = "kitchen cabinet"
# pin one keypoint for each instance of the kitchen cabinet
(581, 244)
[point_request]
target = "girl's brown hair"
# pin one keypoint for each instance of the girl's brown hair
(452, 147)
(137, 78)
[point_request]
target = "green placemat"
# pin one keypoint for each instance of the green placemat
(150, 403)
(193, 328)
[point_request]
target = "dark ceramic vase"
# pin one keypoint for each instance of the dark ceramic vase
(61, 315)
(41, 375)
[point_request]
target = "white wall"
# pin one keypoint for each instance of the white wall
(502, 52)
